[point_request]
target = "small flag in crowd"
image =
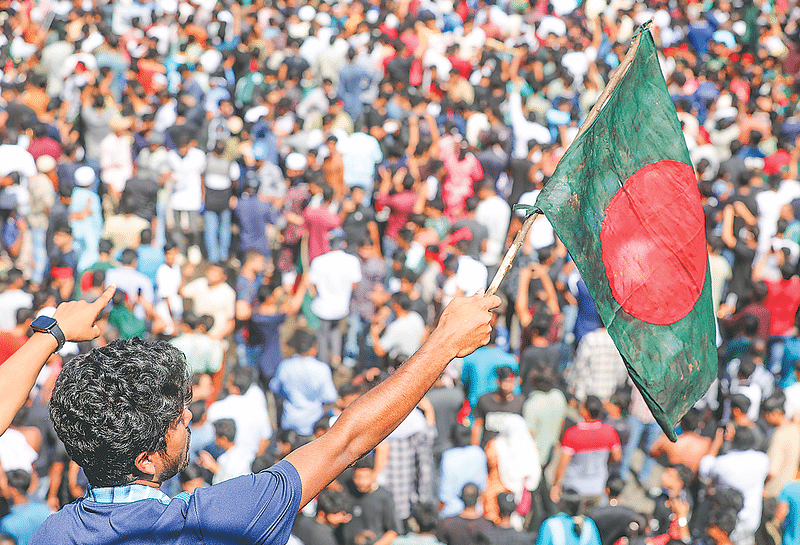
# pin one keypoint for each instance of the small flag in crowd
(625, 202)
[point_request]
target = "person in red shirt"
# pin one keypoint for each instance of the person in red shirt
(585, 450)
(318, 222)
(783, 300)
(397, 192)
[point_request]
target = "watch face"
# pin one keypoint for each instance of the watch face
(43, 322)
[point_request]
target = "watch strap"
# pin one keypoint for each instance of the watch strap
(54, 330)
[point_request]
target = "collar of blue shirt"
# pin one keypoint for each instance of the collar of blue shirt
(125, 494)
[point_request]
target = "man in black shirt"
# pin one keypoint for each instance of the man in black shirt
(502, 400)
(464, 528)
(373, 519)
(319, 530)
(615, 521)
(504, 534)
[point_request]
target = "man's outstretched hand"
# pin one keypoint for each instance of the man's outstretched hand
(76, 318)
(466, 323)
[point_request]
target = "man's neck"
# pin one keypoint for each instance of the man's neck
(500, 396)
(152, 484)
(469, 513)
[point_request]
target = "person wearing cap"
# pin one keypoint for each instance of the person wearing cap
(85, 217)
(333, 277)
(116, 156)
(42, 198)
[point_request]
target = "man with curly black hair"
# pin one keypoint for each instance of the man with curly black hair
(120, 411)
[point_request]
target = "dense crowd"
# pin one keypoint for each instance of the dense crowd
(290, 193)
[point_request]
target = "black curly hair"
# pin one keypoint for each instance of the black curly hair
(116, 402)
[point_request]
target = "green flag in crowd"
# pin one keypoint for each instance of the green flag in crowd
(625, 202)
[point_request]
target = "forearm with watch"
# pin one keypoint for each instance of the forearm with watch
(72, 321)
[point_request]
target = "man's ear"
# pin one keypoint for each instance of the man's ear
(145, 464)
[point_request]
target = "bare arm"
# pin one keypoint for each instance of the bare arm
(243, 310)
(292, 304)
(477, 427)
(758, 270)
(434, 136)
(18, 373)
(781, 512)
(522, 303)
(463, 327)
(727, 227)
(563, 462)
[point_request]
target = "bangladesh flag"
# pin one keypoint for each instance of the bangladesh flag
(625, 202)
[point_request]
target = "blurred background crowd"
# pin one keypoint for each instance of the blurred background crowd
(291, 192)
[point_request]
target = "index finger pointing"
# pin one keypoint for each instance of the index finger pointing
(103, 300)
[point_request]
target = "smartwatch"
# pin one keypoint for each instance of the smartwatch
(46, 324)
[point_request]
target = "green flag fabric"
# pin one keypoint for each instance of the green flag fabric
(625, 202)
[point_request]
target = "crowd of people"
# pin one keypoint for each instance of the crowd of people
(291, 193)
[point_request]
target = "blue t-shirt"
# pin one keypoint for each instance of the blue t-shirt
(479, 373)
(23, 520)
(253, 216)
(791, 526)
(258, 508)
(560, 530)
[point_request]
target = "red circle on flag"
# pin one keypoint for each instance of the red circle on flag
(654, 244)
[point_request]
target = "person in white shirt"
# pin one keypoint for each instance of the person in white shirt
(246, 406)
(493, 213)
(744, 469)
(333, 276)
(403, 336)
(525, 129)
(169, 303)
(13, 299)
(211, 294)
(234, 461)
(188, 164)
(116, 156)
(471, 275)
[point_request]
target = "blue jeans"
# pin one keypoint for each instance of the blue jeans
(638, 429)
(217, 233)
(40, 259)
(358, 344)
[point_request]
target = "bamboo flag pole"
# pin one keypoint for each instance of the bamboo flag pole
(505, 265)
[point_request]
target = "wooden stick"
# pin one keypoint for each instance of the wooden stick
(505, 265)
